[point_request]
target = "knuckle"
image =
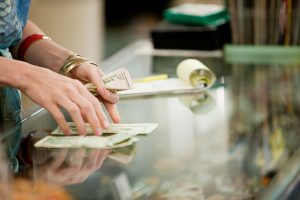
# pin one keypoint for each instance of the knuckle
(95, 102)
(69, 88)
(51, 108)
(73, 109)
(87, 107)
(77, 83)
(47, 100)
(58, 117)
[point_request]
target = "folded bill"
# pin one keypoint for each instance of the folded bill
(137, 128)
(118, 80)
(82, 142)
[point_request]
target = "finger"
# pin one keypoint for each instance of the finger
(102, 157)
(91, 116)
(75, 113)
(98, 109)
(93, 110)
(77, 159)
(113, 112)
(107, 95)
(58, 160)
(59, 118)
(96, 79)
(91, 160)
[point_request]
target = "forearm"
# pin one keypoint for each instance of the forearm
(44, 53)
(13, 73)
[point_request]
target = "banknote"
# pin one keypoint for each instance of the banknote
(136, 128)
(82, 142)
(118, 80)
(122, 158)
(124, 155)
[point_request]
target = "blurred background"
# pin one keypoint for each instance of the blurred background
(99, 28)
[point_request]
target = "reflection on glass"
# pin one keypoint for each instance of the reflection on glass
(207, 181)
(5, 178)
(182, 139)
(62, 166)
(10, 126)
(65, 166)
(199, 103)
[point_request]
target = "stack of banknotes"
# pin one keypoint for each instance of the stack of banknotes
(115, 136)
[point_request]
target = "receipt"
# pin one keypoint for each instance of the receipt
(195, 73)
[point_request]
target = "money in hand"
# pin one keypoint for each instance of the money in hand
(115, 81)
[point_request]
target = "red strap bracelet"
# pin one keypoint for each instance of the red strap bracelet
(27, 42)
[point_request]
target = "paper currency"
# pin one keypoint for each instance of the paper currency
(121, 135)
(124, 155)
(82, 142)
(118, 80)
(137, 128)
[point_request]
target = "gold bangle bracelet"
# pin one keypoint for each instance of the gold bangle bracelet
(72, 62)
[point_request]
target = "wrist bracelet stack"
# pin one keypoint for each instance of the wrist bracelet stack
(73, 61)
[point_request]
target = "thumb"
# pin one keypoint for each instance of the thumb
(108, 96)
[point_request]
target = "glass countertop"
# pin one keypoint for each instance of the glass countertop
(238, 140)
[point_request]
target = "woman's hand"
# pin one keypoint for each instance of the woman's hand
(87, 73)
(53, 91)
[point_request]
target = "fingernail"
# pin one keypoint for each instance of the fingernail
(101, 90)
(82, 134)
(106, 92)
(67, 132)
(106, 124)
(98, 131)
(118, 117)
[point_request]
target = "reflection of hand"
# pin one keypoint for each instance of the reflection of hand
(90, 73)
(70, 166)
(53, 91)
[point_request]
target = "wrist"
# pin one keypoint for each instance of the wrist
(72, 62)
(13, 73)
(27, 42)
(21, 79)
(55, 59)
(46, 53)
(27, 75)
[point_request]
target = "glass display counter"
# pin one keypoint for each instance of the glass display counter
(238, 140)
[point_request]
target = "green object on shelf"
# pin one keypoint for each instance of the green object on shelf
(262, 54)
(197, 14)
